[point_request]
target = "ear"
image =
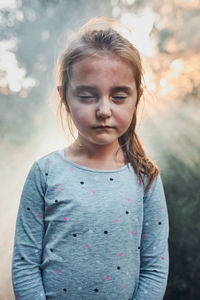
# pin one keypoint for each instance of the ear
(141, 91)
(60, 91)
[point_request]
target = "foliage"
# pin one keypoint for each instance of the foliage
(183, 195)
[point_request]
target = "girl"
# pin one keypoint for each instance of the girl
(92, 221)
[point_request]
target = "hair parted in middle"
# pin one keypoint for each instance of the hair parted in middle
(101, 36)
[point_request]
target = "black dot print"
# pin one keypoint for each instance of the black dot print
(64, 290)
(28, 208)
(22, 258)
(82, 182)
(46, 174)
(159, 223)
(118, 268)
(74, 234)
(127, 212)
(51, 250)
(139, 247)
(56, 200)
(111, 179)
(154, 271)
(96, 290)
(105, 232)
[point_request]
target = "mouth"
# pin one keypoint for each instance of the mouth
(103, 127)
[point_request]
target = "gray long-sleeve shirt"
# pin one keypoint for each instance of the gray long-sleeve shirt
(84, 233)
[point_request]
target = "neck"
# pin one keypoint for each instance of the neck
(97, 151)
(105, 156)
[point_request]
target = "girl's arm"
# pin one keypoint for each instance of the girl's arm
(154, 245)
(26, 275)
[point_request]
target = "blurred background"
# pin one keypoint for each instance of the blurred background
(167, 35)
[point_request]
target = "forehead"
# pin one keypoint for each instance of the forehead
(102, 67)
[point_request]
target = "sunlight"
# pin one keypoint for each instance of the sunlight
(8, 4)
(13, 75)
(141, 27)
(163, 82)
(176, 66)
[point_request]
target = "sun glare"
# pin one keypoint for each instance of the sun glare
(141, 26)
(13, 77)
(8, 4)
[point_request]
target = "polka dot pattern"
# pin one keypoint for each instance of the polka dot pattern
(94, 233)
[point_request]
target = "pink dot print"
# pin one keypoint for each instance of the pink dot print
(46, 286)
(39, 215)
(51, 161)
(133, 232)
(120, 254)
(140, 181)
(94, 191)
(57, 188)
(86, 245)
(57, 271)
(16, 296)
(128, 199)
(125, 287)
(107, 277)
(144, 235)
(23, 192)
(54, 237)
(45, 254)
(162, 257)
(116, 220)
(47, 208)
(65, 219)
(71, 169)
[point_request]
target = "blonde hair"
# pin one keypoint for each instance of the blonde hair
(101, 35)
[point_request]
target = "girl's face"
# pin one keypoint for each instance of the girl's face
(101, 98)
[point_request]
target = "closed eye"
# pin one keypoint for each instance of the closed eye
(87, 99)
(119, 98)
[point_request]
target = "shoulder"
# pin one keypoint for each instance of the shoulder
(48, 159)
(157, 190)
(42, 166)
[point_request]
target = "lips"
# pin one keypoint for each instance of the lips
(103, 127)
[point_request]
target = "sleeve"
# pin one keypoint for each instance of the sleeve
(154, 255)
(29, 232)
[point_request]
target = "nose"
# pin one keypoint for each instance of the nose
(103, 109)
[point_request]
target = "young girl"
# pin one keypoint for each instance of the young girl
(92, 221)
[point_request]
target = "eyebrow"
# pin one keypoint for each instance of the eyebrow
(123, 88)
(81, 88)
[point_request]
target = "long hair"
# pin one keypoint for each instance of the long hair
(98, 36)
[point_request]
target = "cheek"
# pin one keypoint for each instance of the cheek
(81, 117)
(124, 117)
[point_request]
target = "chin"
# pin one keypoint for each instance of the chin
(104, 141)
